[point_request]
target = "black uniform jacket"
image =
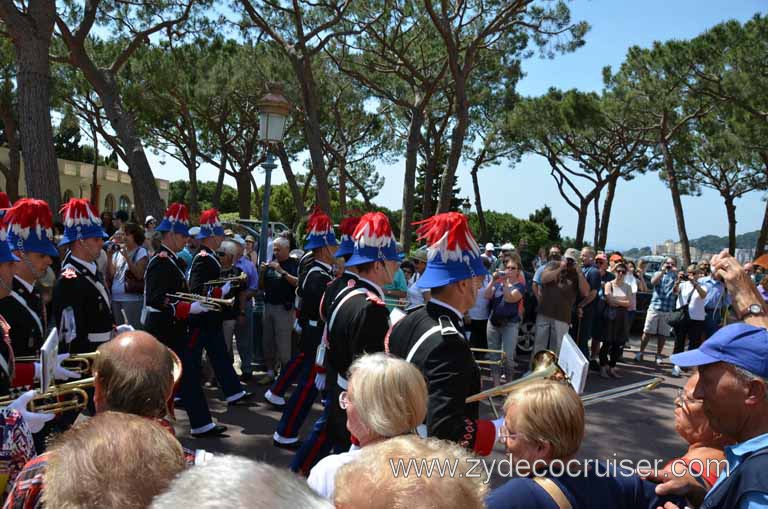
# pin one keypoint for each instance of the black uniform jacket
(165, 317)
(451, 372)
(23, 310)
(81, 289)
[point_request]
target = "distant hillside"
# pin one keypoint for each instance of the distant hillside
(714, 244)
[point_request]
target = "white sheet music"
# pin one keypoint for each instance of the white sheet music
(396, 315)
(48, 354)
(573, 362)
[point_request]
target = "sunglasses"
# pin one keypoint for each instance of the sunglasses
(621, 272)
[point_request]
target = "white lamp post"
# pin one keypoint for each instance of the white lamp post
(273, 112)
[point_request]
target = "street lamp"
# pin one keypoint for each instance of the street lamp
(466, 206)
(273, 111)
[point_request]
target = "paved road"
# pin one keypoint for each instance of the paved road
(637, 427)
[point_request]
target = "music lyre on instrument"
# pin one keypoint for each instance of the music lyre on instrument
(242, 278)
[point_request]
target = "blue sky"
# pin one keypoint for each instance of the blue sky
(642, 212)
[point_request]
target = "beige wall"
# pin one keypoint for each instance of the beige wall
(115, 191)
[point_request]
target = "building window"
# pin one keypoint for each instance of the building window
(125, 203)
(109, 203)
(68, 195)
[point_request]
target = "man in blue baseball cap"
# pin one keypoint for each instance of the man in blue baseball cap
(733, 389)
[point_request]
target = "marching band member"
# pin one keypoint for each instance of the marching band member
(309, 292)
(166, 317)
(30, 230)
(206, 329)
(358, 321)
(317, 446)
(432, 336)
(81, 304)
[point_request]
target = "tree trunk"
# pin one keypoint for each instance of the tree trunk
(243, 180)
(303, 68)
(256, 196)
(430, 169)
(457, 145)
(219, 187)
(95, 174)
(409, 179)
(478, 202)
(596, 237)
(762, 238)
(298, 200)
(676, 202)
(607, 206)
(194, 206)
(343, 187)
(581, 226)
(31, 38)
(730, 209)
(13, 171)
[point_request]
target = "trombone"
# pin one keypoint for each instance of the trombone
(69, 396)
(79, 363)
(241, 279)
(219, 304)
(545, 367)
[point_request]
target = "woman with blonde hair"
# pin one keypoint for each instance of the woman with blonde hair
(543, 429)
(386, 397)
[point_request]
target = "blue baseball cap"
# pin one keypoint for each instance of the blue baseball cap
(740, 344)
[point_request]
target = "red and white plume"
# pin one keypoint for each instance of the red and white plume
(318, 223)
(373, 230)
(177, 213)
(5, 202)
(27, 214)
(79, 211)
(210, 218)
(348, 226)
(449, 236)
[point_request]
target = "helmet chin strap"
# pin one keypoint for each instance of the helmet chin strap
(94, 256)
(35, 273)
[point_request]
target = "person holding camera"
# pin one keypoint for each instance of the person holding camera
(690, 294)
(125, 269)
(562, 283)
(662, 304)
(505, 295)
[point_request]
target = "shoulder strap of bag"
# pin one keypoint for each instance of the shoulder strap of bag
(554, 491)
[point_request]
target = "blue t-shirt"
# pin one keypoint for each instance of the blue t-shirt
(592, 275)
(664, 298)
(591, 490)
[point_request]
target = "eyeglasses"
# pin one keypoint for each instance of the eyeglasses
(513, 268)
(505, 434)
(601, 262)
(621, 272)
(682, 401)
(344, 400)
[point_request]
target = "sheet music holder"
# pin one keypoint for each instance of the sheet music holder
(48, 354)
(573, 363)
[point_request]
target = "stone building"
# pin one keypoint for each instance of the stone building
(114, 186)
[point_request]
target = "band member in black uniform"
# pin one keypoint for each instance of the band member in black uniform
(30, 229)
(206, 329)
(317, 445)
(432, 336)
(81, 303)
(166, 317)
(312, 284)
(358, 320)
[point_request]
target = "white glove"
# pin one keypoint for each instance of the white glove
(35, 421)
(498, 423)
(198, 308)
(226, 289)
(320, 381)
(123, 328)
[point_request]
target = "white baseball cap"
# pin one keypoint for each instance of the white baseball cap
(507, 247)
(489, 246)
(194, 231)
(239, 239)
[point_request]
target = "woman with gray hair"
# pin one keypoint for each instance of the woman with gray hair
(386, 397)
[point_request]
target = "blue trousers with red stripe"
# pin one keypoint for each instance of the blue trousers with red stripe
(318, 445)
(302, 399)
(287, 375)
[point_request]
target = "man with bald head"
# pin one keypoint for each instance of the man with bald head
(133, 374)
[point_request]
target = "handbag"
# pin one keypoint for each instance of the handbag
(608, 312)
(132, 283)
(680, 316)
(502, 312)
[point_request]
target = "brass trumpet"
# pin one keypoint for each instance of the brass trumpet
(79, 363)
(219, 304)
(69, 396)
(242, 278)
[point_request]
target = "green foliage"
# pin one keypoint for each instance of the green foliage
(544, 217)
(715, 244)
(504, 227)
(179, 192)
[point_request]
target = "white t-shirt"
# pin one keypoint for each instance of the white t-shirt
(322, 476)
(696, 305)
(415, 293)
(481, 310)
(121, 267)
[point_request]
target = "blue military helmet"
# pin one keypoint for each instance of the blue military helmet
(81, 221)
(30, 227)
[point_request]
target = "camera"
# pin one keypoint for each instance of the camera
(684, 277)
(570, 262)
